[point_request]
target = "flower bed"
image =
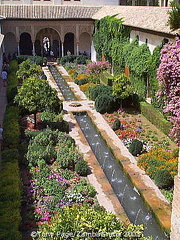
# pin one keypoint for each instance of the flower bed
(134, 126)
(158, 153)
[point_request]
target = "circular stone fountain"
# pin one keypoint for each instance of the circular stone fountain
(75, 104)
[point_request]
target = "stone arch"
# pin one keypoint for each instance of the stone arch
(25, 44)
(69, 43)
(10, 44)
(85, 44)
(54, 41)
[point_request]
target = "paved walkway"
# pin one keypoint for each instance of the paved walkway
(3, 102)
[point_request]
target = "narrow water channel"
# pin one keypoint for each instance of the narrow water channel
(129, 197)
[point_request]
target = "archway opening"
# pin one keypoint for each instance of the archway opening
(46, 46)
(56, 49)
(48, 41)
(10, 45)
(25, 44)
(85, 44)
(69, 43)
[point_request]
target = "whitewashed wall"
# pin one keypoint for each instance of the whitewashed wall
(152, 39)
(1, 51)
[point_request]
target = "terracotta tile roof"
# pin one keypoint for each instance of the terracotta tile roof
(47, 12)
(151, 18)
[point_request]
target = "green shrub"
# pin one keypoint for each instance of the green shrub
(11, 86)
(104, 103)
(82, 168)
(35, 59)
(116, 125)
(10, 201)
(81, 81)
(13, 66)
(84, 219)
(155, 117)
(80, 59)
(9, 155)
(31, 134)
(65, 140)
(62, 126)
(38, 152)
(67, 156)
(163, 179)
(47, 116)
(135, 147)
(11, 132)
(84, 188)
(46, 137)
(67, 174)
(99, 90)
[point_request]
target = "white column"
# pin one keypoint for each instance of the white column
(33, 51)
(18, 49)
(59, 49)
(77, 48)
(62, 47)
(93, 52)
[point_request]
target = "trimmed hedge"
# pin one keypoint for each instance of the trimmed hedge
(80, 59)
(10, 195)
(10, 202)
(11, 132)
(155, 117)
(35, 59)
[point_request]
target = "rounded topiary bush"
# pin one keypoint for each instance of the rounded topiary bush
(116, 125)
(82, 168)
(99, 90)
(81, 81)
(104, 103)
(163, 179)
(136, 147)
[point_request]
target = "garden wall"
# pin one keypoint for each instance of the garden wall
(175, 218)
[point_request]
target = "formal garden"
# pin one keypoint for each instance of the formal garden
(44, 188)
(119, 88)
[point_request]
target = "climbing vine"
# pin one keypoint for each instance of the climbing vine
(111, 39)
(136, 58)
(109, 36)
(154, 63)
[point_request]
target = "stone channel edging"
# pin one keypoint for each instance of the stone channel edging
(147, 188)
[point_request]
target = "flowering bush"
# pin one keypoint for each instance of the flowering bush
(97, 67)
(78, 221)
(169, 85)
(158, 159)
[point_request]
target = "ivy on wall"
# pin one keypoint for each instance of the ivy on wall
(111, 39)
(137, 59)
(154, 63)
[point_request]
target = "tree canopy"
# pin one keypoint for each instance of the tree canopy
(35, 95)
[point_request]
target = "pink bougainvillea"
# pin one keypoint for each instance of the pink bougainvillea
(168, 75)
(97, 67)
